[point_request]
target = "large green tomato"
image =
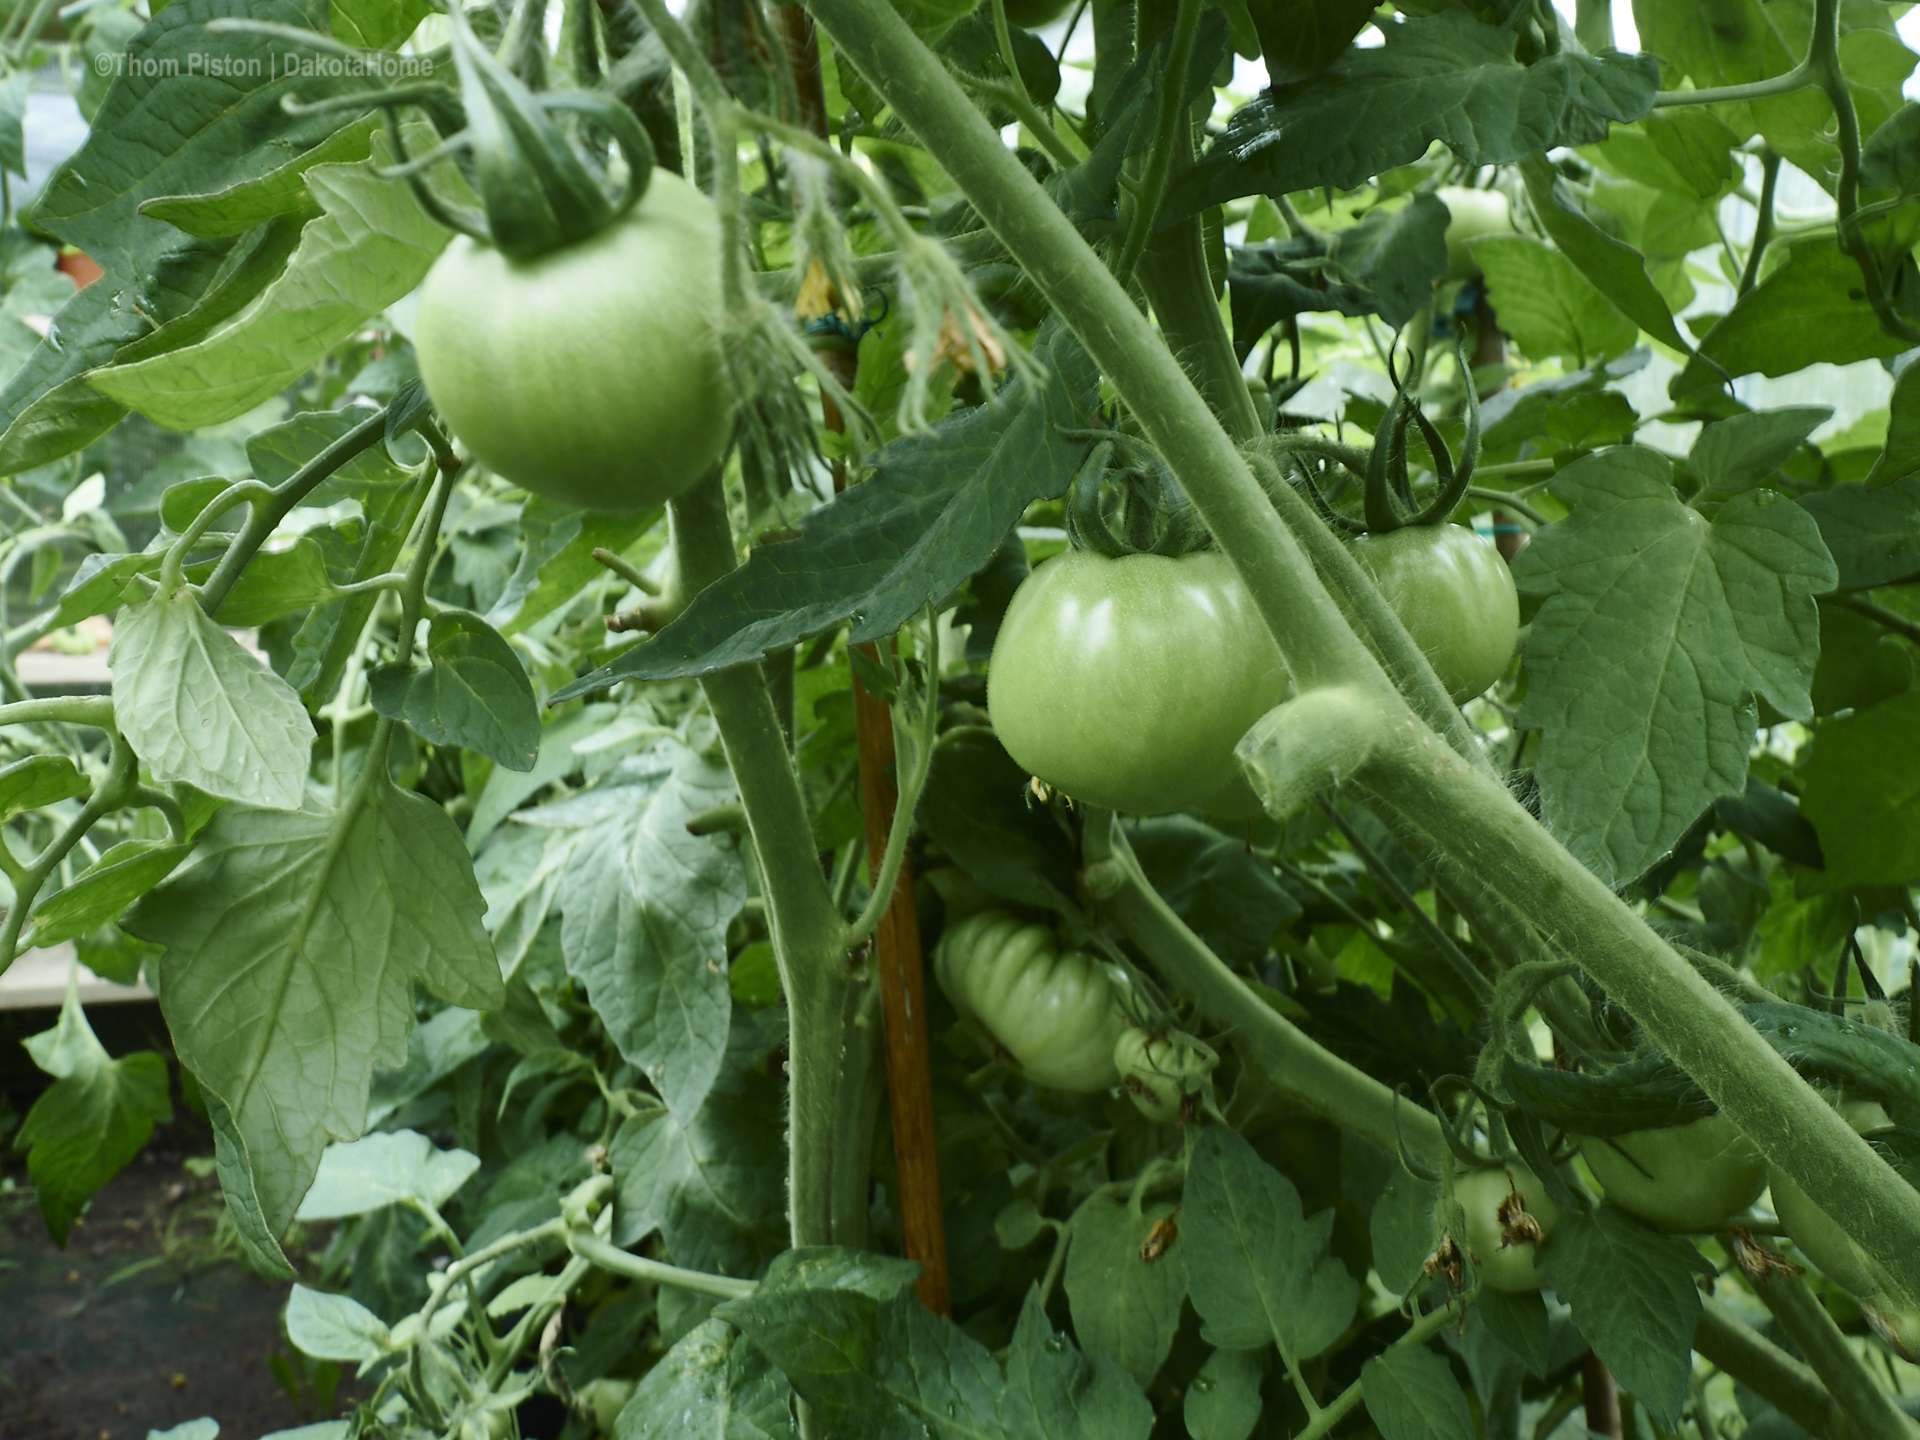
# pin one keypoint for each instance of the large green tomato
(1497, 1205)
(1475, 213)
(591, 375)
(1127, 683)
(1689, 1177)
(1452, 590)
(1056, 1016)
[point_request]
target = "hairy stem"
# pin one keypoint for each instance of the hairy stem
(808, 936)
(1782, 1381)
(1805, 1321)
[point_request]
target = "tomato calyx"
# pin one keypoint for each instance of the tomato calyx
(538, 192)
(1134, 508)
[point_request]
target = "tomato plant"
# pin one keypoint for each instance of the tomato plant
(1127, 681)
(610, 539)
(1055, 1015)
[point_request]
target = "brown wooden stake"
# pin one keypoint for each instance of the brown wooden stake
(1601, 1395)
(896, 944)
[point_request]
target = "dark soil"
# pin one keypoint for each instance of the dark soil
(147, 1319)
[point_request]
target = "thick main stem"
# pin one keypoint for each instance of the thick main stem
(805, 927)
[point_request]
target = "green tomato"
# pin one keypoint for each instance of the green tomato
(1689, 1177)
(1475, 213)
(1501, 1206)
(1159, 1072)
(1127, 683)
(1820, 1238)
(607, 1398)
(1054, 1015)
(1453, 591)
(591, 375)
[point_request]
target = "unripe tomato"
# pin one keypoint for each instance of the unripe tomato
(1054, 1015)
(607, 1398)
(1128, 682)
(592, 375)
(1452, 590)
(1475, 213)
(1159, 1072)
(1689, 1177)
(1502, 1207)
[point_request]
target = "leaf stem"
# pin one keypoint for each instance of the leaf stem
(92, 710)
(1805, 1322)
(1327, 1085)
(1153, 185)
(266, 517)
(611, 1257)
(1019, 101)
(123, 770)
(1418, 1333)
(1507, 501)
(1886, 619)
(238, 492)
(1763, 227)
(1782, 1381)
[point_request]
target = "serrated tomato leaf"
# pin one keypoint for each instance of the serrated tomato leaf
(934, 511)
(474, 692)
(1445, 77)
(1658, 630)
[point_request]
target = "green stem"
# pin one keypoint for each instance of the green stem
(1020, 102)
(1886, 619)
(112, 792)
(1763, 227)
(612, 1258)
(907, 799)
(1506, 500)
(1577, 914)
(1418, 1333)
(1167, 132)
(807, 932)
(241, 492)
(1798, 78)
(266, 517)
(93, 710)
(413, 591)
(1779, 1379)
(1806, 1323)
(1327, 1085)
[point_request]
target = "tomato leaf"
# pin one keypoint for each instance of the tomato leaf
(1811, 310)
(713, 1184)
(711, 1383)
(101, 893)
(934, 511)
(1073, 1396)
(283, 191)
(1742, 451)
(975, 808)
(1257, 1266)
(384, 1169)
(1384, 266)
(1634, 1298)
(1689, 621)
(1445, 77)
(373, 245)
(1401, 1229)
(1860, 786)
(1547, 305)
(645, 908)
(93, 1119)
(1123, 1307)
(293, 941)
(1614, 268)
(556, 559)
(1412, 1395)
(474, 693)
(1223, 1403)
(1873, 535)
(198, 708)
(334, 1327)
